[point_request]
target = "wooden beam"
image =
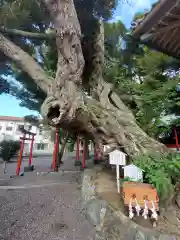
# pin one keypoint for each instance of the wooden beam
(157, 13)
(176, 47)
(146, 36)
(160, 40)
(172, 15)
(170, 44)
(167, 28)
(178, 53)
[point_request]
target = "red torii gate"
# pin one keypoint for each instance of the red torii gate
(77, 162)
(83, 162)
(23, 139)
(56, 150)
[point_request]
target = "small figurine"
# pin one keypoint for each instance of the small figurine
(137, 207)
(145, 212)
(154, 213)
(131, 214)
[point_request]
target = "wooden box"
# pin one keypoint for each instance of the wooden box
(140, 191)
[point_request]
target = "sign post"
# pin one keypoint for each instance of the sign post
(117, 158)
(117, 178)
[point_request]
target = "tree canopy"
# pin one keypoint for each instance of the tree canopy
(28, 24)
(136, 74)
(147, 80)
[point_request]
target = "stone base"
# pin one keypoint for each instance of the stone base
(77, 163)
(95, 161)
(14, 176)
(82, 168)
(29, 168)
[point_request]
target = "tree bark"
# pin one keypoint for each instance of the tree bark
(105, 118)
(35, 35)
(25, 62)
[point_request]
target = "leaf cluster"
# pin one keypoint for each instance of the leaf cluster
(162, 171)
(8, 149)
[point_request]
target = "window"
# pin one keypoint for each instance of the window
(42, 146)
(20, 127)
(40, 131)
(9, 128)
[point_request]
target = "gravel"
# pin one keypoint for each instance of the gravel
(46, 212)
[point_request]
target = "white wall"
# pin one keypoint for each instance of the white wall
(41, 139)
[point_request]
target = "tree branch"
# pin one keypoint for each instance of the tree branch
(26, 63)
(41, 36)
(68, 34)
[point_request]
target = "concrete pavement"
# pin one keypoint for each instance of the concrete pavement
(44, 206)
(41, 164)
(44, 213)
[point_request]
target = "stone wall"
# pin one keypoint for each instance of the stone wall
(111, 224)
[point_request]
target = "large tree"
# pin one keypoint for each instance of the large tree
(77, 98)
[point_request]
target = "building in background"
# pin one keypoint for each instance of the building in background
(10, 130)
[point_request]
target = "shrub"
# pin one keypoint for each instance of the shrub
(8, 149)
(162, 171)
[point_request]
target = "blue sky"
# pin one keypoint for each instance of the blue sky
(9, 106)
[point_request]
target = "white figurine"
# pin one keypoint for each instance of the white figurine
(145, 212)
(131, 214)
(154, 213)
(137, 207)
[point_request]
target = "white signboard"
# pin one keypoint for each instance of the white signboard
(133, 172)
(117, 158)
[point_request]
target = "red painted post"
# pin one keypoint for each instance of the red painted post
(176, 137)
(84, 155)
(77, 149)
(20, 157)
(30, 153)
(56, 146)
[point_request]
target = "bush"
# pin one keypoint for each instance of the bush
(8, 149)
(162, 171)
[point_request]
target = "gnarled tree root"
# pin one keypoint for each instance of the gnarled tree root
(104, 126)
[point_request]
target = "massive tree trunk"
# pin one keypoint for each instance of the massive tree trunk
(103, 118)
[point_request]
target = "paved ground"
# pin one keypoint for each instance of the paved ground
(45, 207)
(41, 163)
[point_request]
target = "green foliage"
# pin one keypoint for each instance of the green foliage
(113, 34)
(4, 85)
(8, 149)
(71, 143)
(146, 80)
(32, 119)
(162, 171)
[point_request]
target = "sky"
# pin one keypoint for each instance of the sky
(9, 106)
